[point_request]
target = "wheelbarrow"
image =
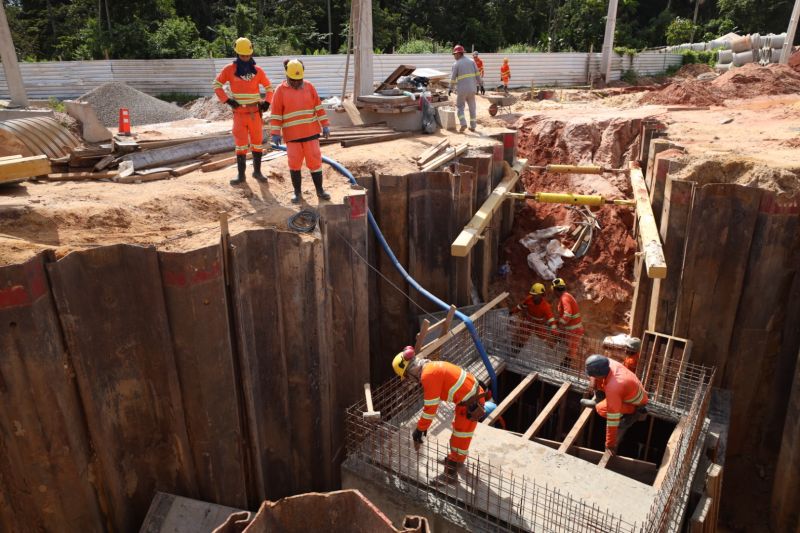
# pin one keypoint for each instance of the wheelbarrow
(499, 101)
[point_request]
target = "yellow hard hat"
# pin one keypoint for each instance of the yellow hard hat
(558, 283)
(400, 364)
(243, 47)
(294, 70)
(537, 288)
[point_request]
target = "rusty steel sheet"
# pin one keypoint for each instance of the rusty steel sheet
(38, 135)
(44, 464)
(196, 303)
(111, 304)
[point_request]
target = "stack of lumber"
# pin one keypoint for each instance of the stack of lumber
(431, 153)
(16, 167)
(359, 135)
(448, 155)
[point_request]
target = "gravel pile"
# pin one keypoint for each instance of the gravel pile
(209, 108)
(108, 98)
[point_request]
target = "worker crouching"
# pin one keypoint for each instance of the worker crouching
(298, 116)
(243, 78)
(538, 313)
(444, 382)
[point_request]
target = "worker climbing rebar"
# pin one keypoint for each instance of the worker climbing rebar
(465, 80)
(244, 77)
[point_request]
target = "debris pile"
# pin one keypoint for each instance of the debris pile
(108, 98)
(719, 169)
(684, 92)
(752, 80)
(209, 108)
(693, 70)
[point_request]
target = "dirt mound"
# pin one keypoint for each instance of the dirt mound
(209, 108)
(109, 98)
(753, 80)
(706, 170)
(684, 92)
(693, 70)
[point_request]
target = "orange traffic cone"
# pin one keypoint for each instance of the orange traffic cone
(124, 122)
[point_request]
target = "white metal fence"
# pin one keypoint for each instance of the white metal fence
(69, 79)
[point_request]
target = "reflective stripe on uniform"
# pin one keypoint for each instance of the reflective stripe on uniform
(435, 401)
(576, 315)
(217, 84)
(454, 388)
(242, 147)
(299, 121)
(426, 416)
(471, 393)
(459, 451)
(636, 399)
(570, 328)
(463, 434)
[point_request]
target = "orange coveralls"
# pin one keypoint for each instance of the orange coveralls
(443, 381)
(570, 325)
(624, 393)
(505, 73)
(479, 64)
(247, 124)
(299, 114)
(541, 315)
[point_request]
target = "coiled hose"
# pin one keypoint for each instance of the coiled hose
(411, 281)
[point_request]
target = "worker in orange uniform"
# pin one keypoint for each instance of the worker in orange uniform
(479, 63)
(539, 313)
(619, 397)
(632, 348)
(298, 115)
(444, 381)
(244, 78)
(505, 74)
(570, 326)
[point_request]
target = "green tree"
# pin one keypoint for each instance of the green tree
(680, 31)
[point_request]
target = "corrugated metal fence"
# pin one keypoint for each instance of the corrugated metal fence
(69, 79)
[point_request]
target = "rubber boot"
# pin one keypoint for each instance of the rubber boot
(241, 165)
(297, 179)
(257, 167)
(450, 474)
(317, 178)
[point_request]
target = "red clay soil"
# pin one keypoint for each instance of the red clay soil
(753, 80)
(692, 70)
(601, 281)
(684, 92)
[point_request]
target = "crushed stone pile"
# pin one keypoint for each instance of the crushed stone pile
(753, 80)
(209, 108)
(684, 92)
(693, 70)
(108, 98)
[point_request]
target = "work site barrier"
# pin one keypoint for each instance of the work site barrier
(70, 79)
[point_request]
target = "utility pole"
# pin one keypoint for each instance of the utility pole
(694, 20)
(608, 40)
(787, 44)
(8, 55)
(362, 48)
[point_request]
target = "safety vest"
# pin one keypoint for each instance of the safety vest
(621, 387)
(479, 64)
(540, 313)
(245, 92)
(298, 113)
(505, 72)
(443, 381)
(464, 76)
(569, 316)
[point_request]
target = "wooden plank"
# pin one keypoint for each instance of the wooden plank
(82, 176)
(512, 397)
(714, 491)
(353, 112)
(376, 139)
(697, 523)
(423, 332)
(670, 455)
(221, 163)
(448, 155)
(576, 430)
(432, 151)
(552, 405)
(10, 157)
(169, 513)
(643, 471)
(141, 178)
(185, 169)
(649, 238)
(24, 167)
(471, 233)
(461, 281)
(402, 70)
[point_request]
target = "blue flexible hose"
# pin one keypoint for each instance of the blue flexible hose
(411, 281)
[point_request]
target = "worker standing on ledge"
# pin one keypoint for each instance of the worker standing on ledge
(244, 78)
(481, 72)
(297, 113)
(619, 397)
(538, 312)
(465, 79)
(444, 381)
(570, 326)
(505, 74)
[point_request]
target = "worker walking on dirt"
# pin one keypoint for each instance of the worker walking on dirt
(570, 325)
(244, 78)
(619, 397)
(465, 80)
(298, 115)
(538, 313)
(505, 74)
(444, 381)
(481, 72)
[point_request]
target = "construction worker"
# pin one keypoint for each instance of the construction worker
(505, 74)
(244, 78)
(444, 381)
(632, 347)
(298, 115)
(570, 326)
(538, 312)
(619, 397)
(479, 63)
(465, 79)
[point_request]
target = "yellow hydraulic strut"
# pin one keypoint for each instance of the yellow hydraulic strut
(577, 169)
(567, 198)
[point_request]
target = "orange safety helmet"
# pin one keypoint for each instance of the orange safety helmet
(458, 49)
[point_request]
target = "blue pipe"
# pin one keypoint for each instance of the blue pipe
(411, 281)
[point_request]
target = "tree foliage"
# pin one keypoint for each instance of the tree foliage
(122, 29)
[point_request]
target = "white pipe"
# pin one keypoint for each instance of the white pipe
(787, 45)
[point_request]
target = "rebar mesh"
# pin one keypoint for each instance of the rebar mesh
(495, 499)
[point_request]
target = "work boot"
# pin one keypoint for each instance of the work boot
(297, 180)
(241, 165)
(257, 167)
(462, 128)
(450, 474)
(316, 177)
(472, 127)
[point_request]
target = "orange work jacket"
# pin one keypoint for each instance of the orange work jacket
(505, 73)
(569, 315)
(297, 112)
(621, 387)
(541, 313)
(245, 92)
(443, 381)
(479, 64)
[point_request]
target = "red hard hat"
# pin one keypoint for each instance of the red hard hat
(458, 49)
(408, 353)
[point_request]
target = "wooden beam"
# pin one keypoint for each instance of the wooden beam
(423, 332)
(376, 138)
(82, 176)
(604, 460)
(697, 523)
(639, 470)
(551, 406)
(576, 430)
(526, 382)
(24, 167)
(649, 238)
(431, 152)
(449, 155)
(474, 229)
(16, 156)
(669, 454)
(185, 169)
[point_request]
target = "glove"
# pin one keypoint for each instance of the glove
(326, 131)
(263, 106)
(233, 103)
(417, 437)
(276, 139)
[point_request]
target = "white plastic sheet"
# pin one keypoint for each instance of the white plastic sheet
(547, 253)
